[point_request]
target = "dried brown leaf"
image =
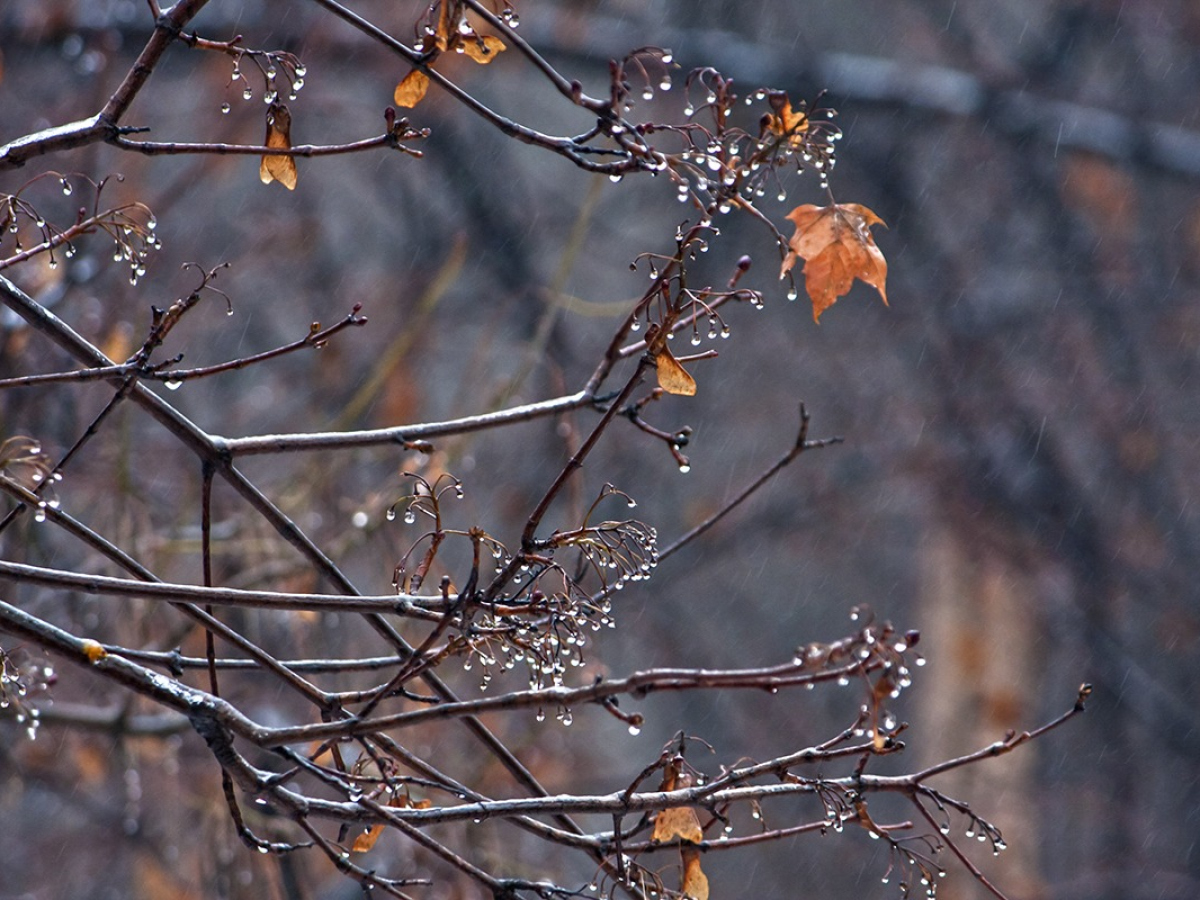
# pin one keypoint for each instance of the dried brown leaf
(672, 377)
(366, 841)
(679, 822)
(482, 48)
(279, 134)
(411, 89)
(695, 882)
(787, 122)
(837, 246)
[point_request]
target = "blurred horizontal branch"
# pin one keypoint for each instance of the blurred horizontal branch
(920, 89)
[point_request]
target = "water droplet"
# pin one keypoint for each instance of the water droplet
(247, 94)
(225, 107)
(614, 178)
(689, 110)
(409, 517)
(172, 385)
(684, 468)
(635, 730)
(66, 188)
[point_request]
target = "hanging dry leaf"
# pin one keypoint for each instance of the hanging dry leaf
(672, 377)
(278, 168)
(695, 882)
(482, 48)
(453, 31)
(446, 33)
(93, 651)
(411, 90)
(837, 246)
(365, 841)
(786, 121)
(680, 822)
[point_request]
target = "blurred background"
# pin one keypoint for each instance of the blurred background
(1021, 467)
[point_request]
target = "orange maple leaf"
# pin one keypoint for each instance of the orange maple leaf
(837, 246)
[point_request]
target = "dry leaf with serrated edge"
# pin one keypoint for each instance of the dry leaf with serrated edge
(411, 89)
(837, 246)
(672, 377)
(278, 168)
(695, 882)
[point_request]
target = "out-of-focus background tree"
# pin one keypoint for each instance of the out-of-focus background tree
(1021, 470)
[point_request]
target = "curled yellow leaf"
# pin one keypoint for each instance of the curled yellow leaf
(93, 651)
